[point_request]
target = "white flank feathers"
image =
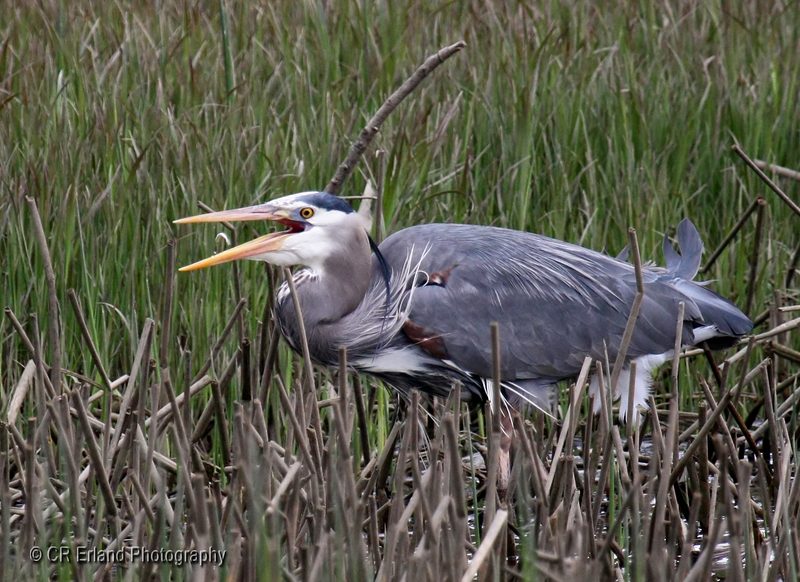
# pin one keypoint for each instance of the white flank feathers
(645, 365)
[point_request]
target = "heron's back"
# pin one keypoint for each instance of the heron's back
(555, 302)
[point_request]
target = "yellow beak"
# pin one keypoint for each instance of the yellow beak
(263, 244)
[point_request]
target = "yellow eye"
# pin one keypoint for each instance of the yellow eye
(306, 212)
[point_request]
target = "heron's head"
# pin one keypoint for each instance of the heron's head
(317, 226)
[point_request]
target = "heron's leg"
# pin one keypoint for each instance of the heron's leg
(504, 465)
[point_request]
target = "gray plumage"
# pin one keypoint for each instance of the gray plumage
(555, 303)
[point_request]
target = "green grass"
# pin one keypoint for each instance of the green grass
(569, 119)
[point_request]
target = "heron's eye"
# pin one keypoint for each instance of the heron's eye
(306, 212)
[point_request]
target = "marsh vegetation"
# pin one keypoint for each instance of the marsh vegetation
(142, 408)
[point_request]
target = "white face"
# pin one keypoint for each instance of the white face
(318, 227)
(324, 232)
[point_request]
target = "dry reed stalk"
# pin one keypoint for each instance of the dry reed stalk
(496, 456)
(779, 170)
(219, 407)
(167, 301)
(784, 352)
(130, 393)
(784, 409)
(567, 434)
(493, 532)
(636, 306)
(308, 367)
(269, 364)
(376, 121)
(203, 424)
(244, 368)
(26, 341)
(700, 436)
(379, 476)
(54, 316)
(758, 201)
(781, 194)
(87, 336)
(398, 514)
(215, 349)
(95, 456)
(751, 279)
(299, 433)
(5, 500)
(792, 268)
(361, 415)
(459, 502)
(20, 392)
(657, 524)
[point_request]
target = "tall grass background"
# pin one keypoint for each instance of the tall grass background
(571, 119)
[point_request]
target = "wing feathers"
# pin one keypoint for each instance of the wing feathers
(555, 302)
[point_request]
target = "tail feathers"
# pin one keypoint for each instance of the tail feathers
(686, 264)
(729, 322)
(717, 311)
(672, 258)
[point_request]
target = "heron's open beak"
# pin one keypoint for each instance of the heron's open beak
(259, 246)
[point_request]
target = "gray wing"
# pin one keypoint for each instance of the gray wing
(555, 302)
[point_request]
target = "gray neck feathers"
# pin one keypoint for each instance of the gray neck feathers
(341, 283)
(327, 295)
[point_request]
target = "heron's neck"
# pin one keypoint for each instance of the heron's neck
(338, 286)
(329, 291)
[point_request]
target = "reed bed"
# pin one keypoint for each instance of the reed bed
(152, 426)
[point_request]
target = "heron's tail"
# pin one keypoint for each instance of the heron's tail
(727, 321)
(721, 319)
(686, 264)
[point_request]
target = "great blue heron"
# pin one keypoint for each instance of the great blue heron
(416, 310)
